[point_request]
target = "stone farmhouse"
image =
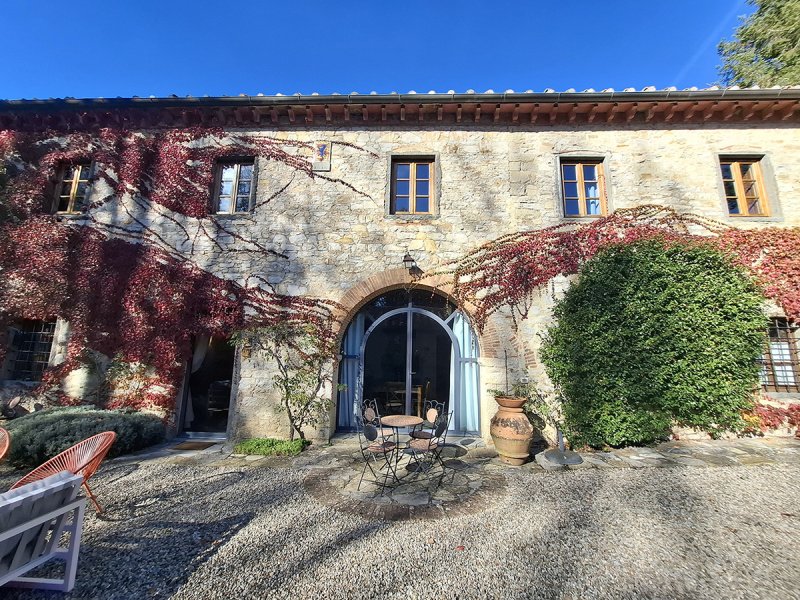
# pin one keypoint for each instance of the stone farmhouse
(369, 195)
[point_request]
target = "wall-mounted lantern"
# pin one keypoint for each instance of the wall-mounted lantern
(408, 262)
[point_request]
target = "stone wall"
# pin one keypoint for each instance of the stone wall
(340, 241)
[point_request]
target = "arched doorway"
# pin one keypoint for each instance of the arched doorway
(406, 346)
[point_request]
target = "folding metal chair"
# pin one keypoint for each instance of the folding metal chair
(427, 452)
(378, 454)
(370, 414)
(431, 409)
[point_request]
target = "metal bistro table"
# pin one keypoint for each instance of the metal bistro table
(398, 421)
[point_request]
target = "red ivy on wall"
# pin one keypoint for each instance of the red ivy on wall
(172, 168)
(133, 301)
(765, 417)
(128, 293)
(508, 271)
(124, 295)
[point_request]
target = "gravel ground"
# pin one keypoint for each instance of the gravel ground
(175, 531)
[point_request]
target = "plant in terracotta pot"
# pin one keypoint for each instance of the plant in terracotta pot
(510, 427)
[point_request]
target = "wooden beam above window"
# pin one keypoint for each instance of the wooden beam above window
(534, 113)
(670, 113)
(631, 112)
(612, 112)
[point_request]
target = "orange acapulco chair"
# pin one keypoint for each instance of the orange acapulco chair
(5, 442)
(83, 458)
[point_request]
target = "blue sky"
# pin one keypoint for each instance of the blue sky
(161, 47)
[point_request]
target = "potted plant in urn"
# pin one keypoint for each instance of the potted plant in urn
(510, 427)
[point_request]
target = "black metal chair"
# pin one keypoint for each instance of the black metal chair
(377, 452)
(427, 452)
(370, 414)
(431, 409)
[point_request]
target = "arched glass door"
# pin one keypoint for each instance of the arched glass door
(405, 347)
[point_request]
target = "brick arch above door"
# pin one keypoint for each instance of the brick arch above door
(356, 297)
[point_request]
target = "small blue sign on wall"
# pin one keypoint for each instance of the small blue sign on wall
(321, 160)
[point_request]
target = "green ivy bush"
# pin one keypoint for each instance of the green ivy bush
(271, 447)
(654, 335)
(41, 435)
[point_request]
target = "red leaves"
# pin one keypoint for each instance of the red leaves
(33, 260)
(173, 168)
(773, 417)
(131, 300)
(793, 415)
(183, 165)
(123, 297)
(773, 256)
(509, 270)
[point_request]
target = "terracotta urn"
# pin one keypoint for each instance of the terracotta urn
(511, 430)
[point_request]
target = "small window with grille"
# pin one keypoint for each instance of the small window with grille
(31, 343)
(779, 370)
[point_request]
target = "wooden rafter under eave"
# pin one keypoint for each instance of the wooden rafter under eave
(533, 113)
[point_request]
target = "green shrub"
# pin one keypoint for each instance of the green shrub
(653, 335)
(40, 435)
(271, 447)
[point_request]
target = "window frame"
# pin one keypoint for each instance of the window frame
(413, 161)
(735, 162)
(219, 167)
(579, 162)
(769, 379)
(75, 184)
(13, 371)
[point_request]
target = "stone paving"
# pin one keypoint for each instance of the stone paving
(473, 477)
(465, 486)
(711, 453)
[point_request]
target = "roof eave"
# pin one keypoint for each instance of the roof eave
(372, 99)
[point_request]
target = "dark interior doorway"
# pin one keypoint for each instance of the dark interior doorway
(209, 390)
